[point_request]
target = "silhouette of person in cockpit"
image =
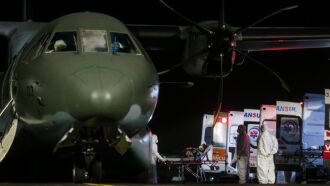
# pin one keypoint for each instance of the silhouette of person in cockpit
(59, 45)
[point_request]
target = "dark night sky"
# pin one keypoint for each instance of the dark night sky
(178, 118)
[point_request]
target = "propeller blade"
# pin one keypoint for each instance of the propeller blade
(222, 15)
(182, 63)
(220, 97)
(170, 69)
(177, 84)
(283, 83)
(266, 17)
(202, 29)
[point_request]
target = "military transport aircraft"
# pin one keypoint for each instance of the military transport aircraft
(83, 89)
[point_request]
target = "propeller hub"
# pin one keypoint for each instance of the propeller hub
(221, 48)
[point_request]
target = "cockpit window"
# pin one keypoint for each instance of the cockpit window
(121, 42)
(94, 41)
(63, 42)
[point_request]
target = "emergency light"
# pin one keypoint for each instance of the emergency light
(224, 120)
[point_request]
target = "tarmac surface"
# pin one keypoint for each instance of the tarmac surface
(136, 184)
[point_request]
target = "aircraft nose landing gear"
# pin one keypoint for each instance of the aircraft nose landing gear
(87, 167)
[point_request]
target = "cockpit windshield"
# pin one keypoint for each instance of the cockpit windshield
(94, 40)
(121, 42)
(63, 42)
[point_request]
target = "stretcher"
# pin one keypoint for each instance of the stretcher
(191, 165)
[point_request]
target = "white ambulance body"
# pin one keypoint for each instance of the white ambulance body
(216, 136)
(252, 121)
(235, 119)
(326, 148)
(313, 125)
(288, 133)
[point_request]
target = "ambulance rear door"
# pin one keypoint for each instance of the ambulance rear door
(252, 122)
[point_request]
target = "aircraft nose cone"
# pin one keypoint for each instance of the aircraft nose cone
(98, 92)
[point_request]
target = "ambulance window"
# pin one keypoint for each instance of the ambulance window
(233, 134)
(220, 135)
(121, 42)
(63, 42)
(208, 137)
(94, 40)
(290, 130)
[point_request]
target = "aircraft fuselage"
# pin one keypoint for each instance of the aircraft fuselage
(84, 72)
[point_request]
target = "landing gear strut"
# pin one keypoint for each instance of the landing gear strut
(87, 167)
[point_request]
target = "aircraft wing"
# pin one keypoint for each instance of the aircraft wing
(160, 37)
(18, 34)
(283, 38)
(7, 28)
(196, 49)
(252, 39)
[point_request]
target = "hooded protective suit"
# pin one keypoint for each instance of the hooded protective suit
(155, 155)
(267, 147)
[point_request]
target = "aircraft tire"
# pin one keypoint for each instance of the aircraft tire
(96, 171)
(78, 174)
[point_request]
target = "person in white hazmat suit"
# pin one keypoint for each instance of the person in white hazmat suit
(267, 147)
(155, 157)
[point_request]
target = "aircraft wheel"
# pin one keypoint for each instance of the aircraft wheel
(96, 171)
(78, 174)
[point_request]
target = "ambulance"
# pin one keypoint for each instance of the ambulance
(222, 137)
(215, 160)
(288, 133)
(252, 122)
(313, 137)
(313, 126)
(326, 148)
(236, 118)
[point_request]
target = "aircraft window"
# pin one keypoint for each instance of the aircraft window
(94, 40)
(63, 42)
(122, 43)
